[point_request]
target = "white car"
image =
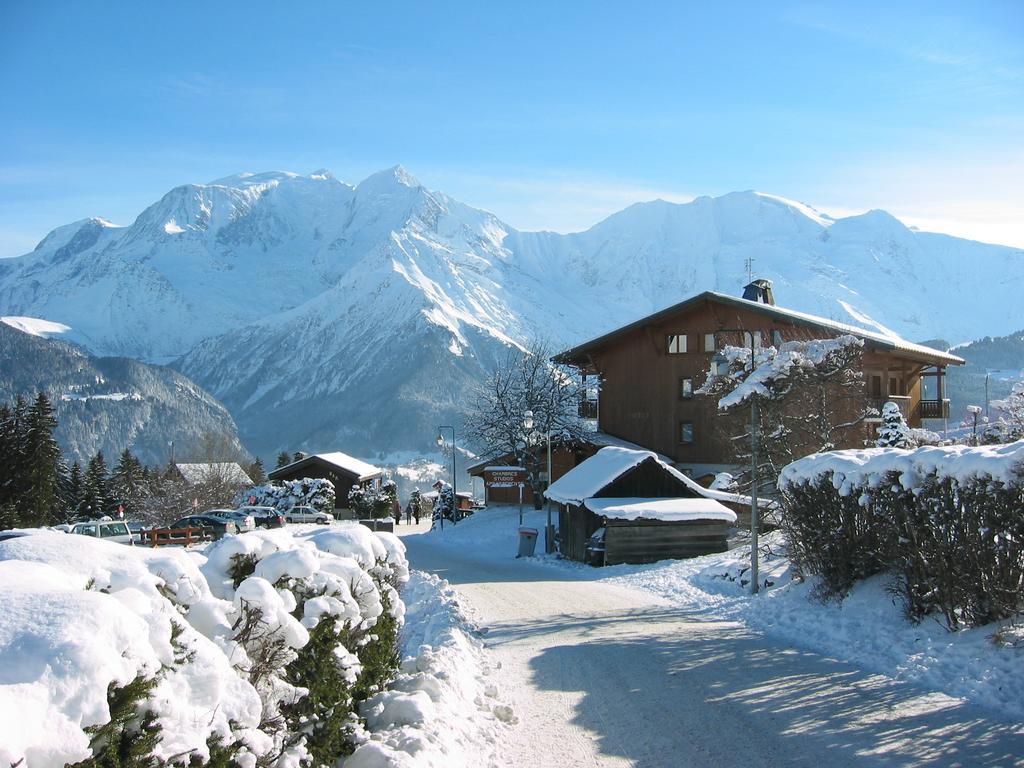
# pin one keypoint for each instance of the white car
(111, 530)
(244, 521)
(306, 515)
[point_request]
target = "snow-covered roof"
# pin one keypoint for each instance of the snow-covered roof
(342, 461)
(510, 468)
(590, 476)
(668, 510)
(883, 340)
(222, 471)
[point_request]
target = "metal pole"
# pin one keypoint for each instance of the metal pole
(547, 531)
(986, 394)
(754, 510)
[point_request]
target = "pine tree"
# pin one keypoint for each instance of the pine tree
(894, 432)
(283, 459)
(96, 498)
(74, 489)
(42, 465)
(127, 483)
(13, 444)
(257, 473)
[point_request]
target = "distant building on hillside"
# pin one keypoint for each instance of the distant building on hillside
(650, 369)
(342, 470)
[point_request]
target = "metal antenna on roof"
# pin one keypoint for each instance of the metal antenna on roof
(749, 264)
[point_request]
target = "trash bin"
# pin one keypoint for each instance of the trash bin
(527, 542)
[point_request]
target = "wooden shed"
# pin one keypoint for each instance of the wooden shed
(649, 510)
(342, 470)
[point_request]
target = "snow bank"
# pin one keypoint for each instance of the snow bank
(79, 614)
(440, 711)
(1001, 463)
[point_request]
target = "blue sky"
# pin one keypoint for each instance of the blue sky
(550, 115)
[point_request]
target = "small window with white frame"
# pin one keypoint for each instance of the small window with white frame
(676, 343)
(709, 342)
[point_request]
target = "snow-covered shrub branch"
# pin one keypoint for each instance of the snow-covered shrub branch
(944, 520)
(305, 492)
(254, 651)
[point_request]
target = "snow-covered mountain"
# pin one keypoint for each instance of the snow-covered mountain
(111, 403)
(330, 316)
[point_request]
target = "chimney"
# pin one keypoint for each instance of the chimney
(760, 290)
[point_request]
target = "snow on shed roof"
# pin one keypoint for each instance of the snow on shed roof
(222, 471)
(590, 476)
(668, 510)
(348, 464)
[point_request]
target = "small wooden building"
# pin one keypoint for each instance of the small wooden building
(649, 510)
(342, 470)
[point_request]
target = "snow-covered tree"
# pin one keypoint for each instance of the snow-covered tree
(444, 504)
(893, 432)
(1008, 425)
(810, 395)
(316, 492)
(527, 381)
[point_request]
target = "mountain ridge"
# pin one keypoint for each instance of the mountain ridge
(279, 292)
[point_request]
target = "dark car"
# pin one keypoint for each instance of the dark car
(218, 526)
(594, 553)
(265, 517)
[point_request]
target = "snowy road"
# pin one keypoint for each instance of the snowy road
(601, 675)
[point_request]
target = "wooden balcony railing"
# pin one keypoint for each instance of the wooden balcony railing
(901, 400)
(933, 409)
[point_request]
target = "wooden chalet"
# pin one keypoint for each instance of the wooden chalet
(650, 369)
(649, 510)
(342, 470)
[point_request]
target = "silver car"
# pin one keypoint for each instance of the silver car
(244, 521)
(307, 515)
(111, 530)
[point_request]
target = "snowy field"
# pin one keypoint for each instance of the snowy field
(868, 629)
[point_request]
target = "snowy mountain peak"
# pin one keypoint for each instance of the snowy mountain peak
(388, 180)
(246, 179)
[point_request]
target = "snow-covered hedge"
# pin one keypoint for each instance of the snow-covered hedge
(946, 520)
(306, 492)
(257, 649)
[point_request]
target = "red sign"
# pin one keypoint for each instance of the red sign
(252, 501)
(120, 510)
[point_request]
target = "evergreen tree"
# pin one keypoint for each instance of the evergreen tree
(283, 459)
(74, 489)
(96, 498)
(42, 465)
(256, 472)
(127, 483)
(13, 444)
(893, 433)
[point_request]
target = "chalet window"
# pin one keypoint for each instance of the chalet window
(676, 343)
(709, 342)
(685, 389)
(686, 432)
(776, 338)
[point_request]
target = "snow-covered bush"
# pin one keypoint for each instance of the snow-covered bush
(894, 432)
(256, 650)
(444, 503)
(945, 521)
(374, 501)
(307, 492)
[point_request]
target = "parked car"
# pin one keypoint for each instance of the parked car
(217, 525)
(243, 520)
(594, 553)
(265, 517)
(111, 530)
(306, 515)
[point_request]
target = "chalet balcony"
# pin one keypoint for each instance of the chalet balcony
(901, 400)
(933, 409)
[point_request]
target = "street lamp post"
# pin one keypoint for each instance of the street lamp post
(754, 438)
(455, 495)
(528, 424)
